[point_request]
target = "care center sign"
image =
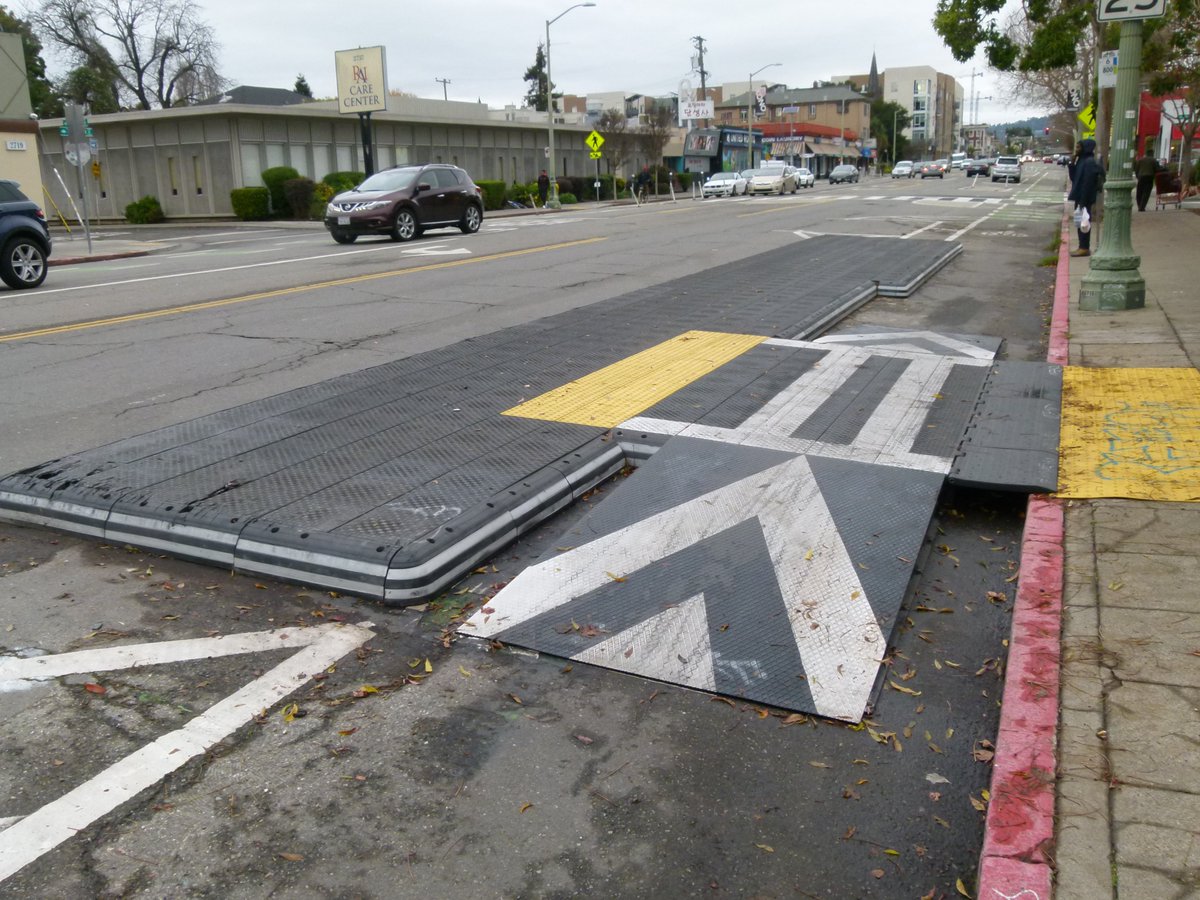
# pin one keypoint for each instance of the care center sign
(361, 80)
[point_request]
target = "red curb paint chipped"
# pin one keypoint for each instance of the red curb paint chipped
(1059, 342)
(1011, 871)
(1019, 832)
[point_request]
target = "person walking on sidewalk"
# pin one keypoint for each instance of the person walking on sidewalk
(1146, 169)
(543, 187)
(1085, 188)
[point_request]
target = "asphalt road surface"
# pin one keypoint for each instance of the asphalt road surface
(395, 758)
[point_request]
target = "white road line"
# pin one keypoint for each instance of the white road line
(275, 262)
(905, 237)
(24, 841)
(977, 222)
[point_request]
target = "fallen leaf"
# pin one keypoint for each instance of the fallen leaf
(877, 873)
(584, 739)
(935, 778)
(346, 732)
(525, 806)
(515, 699)
(766, 848)
(961, 888)
(464, 672)
(291, 857)
(794, 719)
(819, 765)
(428, 666)
(904, 690)
(616, 578)
(941, 821)
(849, 833)
(93, 688)
(891, 852)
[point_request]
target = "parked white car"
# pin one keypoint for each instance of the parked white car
(903, 169)
(804, 177)
(724, 184)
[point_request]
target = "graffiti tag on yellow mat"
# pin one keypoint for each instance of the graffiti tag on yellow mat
(1130, 433)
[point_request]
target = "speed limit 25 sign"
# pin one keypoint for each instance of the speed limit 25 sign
(1113, 10)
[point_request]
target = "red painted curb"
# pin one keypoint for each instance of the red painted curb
(1018, 837)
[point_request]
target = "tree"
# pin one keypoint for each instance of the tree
(618, 141)
(42, 95)
(1047, 87)
(1172, 60)
(89, 88)
(159, 54)
(301, 87)
(654, 134)
(886, 115)
(536, 76)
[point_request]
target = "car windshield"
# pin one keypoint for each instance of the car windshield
(723, 176)
(802, 171)
(1008, 161)
(390, 180)
(767, 173)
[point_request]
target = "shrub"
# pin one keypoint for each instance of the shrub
(521, 192)
(322, 194)
(299, 195)
(493, 194)
(568, 197)
(144, 212)
(685, 180)
(250, 204)
(344, 181)
(274, 179)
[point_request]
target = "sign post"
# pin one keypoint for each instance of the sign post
(77, 150)
(1113, 281)
(362, 90)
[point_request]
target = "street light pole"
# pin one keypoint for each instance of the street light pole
(895, 113)
(1113, 280)
(750, 110)
(552, 200)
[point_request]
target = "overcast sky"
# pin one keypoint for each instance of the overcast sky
(638, 46)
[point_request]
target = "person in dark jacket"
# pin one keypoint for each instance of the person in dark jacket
(1085, 188)
(1145, 169)
(543, 183)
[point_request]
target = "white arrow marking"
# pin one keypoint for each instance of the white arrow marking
(832, 622)
(41, 831)
(435, 251)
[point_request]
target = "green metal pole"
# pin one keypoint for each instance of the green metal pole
(1113, 280)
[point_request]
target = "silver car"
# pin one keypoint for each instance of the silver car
(773, 180)
(1008, 168)
(804, 177)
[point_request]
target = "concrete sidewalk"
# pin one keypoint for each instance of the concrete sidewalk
(1095, 781)
(1128, 808)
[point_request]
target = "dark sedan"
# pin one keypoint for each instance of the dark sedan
(978, 167)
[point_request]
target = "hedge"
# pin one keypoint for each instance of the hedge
(144, 212)
(322, 194)
(344, 181)
(493, 194)
(251, 203)
(299, 195)
(274, 179)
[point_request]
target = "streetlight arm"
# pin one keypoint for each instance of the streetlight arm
(750, 111)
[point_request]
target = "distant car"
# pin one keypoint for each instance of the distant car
(403, 201)
(903, 169)
(25, 241)
(1047, 159)
(773, 180)
(805, 178)
(978, 167)
(725, 184)
(843, 173)
(1007, 168)
(931, 169)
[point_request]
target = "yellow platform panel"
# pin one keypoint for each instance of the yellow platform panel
(609, 396)
(1130, 433)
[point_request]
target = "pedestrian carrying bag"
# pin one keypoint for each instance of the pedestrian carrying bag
(1085, 221)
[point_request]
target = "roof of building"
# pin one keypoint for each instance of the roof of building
(255, 96)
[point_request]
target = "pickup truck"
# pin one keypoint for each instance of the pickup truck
(1008, 168)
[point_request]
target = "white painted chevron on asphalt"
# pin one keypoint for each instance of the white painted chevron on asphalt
(830, 619)
(931, 342)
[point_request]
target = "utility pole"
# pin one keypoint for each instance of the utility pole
(699, 45)
(443, 82)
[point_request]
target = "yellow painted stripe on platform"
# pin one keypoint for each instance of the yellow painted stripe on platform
(609, 396)
(1130, 433)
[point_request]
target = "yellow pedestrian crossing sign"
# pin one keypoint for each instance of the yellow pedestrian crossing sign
(595, 140)
(595, 154)
(1087, 116)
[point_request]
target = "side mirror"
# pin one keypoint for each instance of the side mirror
(424, 186)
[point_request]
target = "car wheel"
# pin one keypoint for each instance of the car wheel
(471, 220)
(343, 237)
(405, 227)
(22, 263)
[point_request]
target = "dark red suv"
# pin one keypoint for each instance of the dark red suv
(404, 201)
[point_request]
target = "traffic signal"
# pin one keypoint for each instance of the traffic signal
(1047, 130)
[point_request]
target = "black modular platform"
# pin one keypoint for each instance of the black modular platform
(393, 481)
